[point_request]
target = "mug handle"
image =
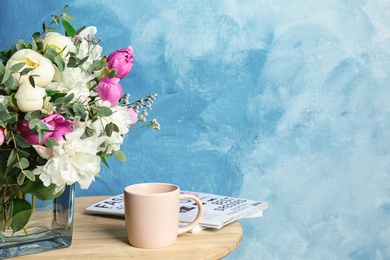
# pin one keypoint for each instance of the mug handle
(197, 218)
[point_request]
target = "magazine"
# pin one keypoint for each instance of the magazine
(218, 210)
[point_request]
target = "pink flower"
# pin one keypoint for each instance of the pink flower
(54, 122)
(133, 116)
(122, 60)
(2, 136)
(110, 90)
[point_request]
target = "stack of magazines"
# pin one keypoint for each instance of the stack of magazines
(218, 210)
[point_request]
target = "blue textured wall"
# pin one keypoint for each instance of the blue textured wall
(282, 101)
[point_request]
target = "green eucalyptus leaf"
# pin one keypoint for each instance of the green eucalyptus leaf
(69, 110)
(21, 178)
(12, 158)
(33, 123)
(20, 213)
(68, 98)
(98, 65)
(37, 114)
(64, 9)
(80, 111)
(16, 67)
(30, 175)
(23, 163)
(11, 84)
(32, 81)
(67, 17)
(102, 111)
(72, 63)
(4, 116)
(51, 142)
(55, 19)
(60, 63)
(83, 60)
(6, 76)
(20, 142)
(120, 156)
(36, 36)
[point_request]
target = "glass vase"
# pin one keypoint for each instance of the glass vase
(50, 227)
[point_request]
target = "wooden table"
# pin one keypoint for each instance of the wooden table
(104, 237)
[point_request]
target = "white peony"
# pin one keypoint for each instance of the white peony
(29, 98)
(93, 51)
(73, 160)
(73, 81)
(119, 117)
(42, 68)
(58, 42)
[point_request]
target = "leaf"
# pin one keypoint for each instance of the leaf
(67, 17)
(55, 19)
(68, 98)
(120, 156)
(36, 36)
(80, 111)
(37, 114)
(111, 127)
(69, 110)
(23, 163)
(64, 9)
(20, 213)
(16, 67)
(70, 31)
(11, 158)
(32, 81)
(72, 62)
(6, 76)
(21, 179)
(102, 111)
(51, 142)
(21, 142)
(60, 63)
(83, 60)
(4, 116)
(30, 175)
(40, 191)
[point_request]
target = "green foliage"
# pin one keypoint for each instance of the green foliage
(20, 213)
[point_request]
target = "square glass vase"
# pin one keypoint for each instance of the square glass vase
(50, 227)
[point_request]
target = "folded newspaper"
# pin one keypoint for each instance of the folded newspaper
(218, 210)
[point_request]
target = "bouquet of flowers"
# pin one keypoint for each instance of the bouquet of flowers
(62, 113)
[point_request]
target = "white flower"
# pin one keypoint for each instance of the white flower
(119, 117)
(73, 160)
(29, 98)
(58, 42)
(74, 81)
(93, 51)
(42, 68)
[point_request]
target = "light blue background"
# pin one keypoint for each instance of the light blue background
(282, 101)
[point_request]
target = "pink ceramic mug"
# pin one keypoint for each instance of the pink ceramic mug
(152, 214)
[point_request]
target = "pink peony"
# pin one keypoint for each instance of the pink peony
(110, 90)
(54, 122)
(133, 116)
(2, 136)
(122, 60)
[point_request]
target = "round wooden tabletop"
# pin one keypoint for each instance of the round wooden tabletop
(104, 237)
